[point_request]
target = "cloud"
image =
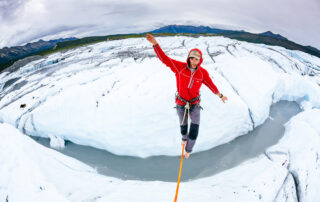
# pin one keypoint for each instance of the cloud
(10, 9)
(22, 21)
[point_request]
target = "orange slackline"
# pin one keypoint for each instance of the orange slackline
(175, 198)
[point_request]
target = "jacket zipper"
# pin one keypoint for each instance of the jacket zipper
(191, 79)
(192, 83)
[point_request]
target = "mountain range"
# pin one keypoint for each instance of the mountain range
(9, 55)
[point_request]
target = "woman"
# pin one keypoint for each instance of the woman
(189, 78)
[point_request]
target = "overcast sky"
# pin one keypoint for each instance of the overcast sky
(23, 21)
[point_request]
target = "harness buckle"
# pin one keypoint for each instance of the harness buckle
(187, 106)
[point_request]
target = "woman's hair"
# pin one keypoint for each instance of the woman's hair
(189, 61)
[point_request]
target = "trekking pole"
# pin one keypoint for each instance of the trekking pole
(175, 198)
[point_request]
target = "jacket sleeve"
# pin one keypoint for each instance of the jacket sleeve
(174, 65)
(208, 82)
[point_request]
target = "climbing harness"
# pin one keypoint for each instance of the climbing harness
(177, 189)
(188, 105)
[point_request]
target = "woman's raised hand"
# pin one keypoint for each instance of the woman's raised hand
(151, 39)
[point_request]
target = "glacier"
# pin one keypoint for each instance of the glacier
(118, 96)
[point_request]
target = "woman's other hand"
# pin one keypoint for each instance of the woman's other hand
(224, 98)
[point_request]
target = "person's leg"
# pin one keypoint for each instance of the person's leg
(194, 127)
(184, 125)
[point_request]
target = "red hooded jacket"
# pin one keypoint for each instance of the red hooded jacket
(188, 83)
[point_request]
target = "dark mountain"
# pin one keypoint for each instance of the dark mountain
(189, 29)
(17, 52)
(268, 37)
(206, 29)
(268, 33)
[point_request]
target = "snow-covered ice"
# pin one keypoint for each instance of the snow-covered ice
(56, 142)
(118, 96)
(299, 151)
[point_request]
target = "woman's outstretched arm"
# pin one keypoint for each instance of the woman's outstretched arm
(209, 83)
(174, 65)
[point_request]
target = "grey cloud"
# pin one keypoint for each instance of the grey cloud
(295, 19)
(37, 34)
(9, 9)
(127, 9)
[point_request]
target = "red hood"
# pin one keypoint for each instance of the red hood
(201, 59)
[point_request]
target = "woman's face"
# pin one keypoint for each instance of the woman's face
(194, 62)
